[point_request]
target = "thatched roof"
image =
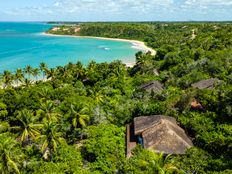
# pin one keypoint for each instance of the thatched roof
(154, 86)
(205, 84)
(145, 122)
(162, 134)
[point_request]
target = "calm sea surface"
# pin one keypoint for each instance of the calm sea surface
(23, 44)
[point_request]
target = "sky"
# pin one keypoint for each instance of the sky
(115, 10)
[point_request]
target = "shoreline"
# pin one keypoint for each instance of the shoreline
(139, 45)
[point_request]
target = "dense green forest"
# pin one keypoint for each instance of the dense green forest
(75, 121)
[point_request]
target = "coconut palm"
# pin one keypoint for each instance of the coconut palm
(163, 164)
(50, 138)
(80, 71)
(27, 82)
(28, 70)
(9, 155)
(91, 66)
(63, 73)
(35, 73)
(44, 93)
(19, 75)
(78, 115)
(7, 78)
(48, 111)
(43, 68)
(28, 128)
(51, 73)
(70, 65)
(98, 96)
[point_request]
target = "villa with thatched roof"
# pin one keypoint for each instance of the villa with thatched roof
(159, 133)
(205, 84)
(154, 86)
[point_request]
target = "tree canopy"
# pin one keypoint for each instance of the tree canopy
(73, 121)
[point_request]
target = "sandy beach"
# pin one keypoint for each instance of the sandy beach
(135, 44)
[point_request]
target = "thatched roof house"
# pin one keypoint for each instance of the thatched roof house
(161, 134)
(154, 86)
(205, 84)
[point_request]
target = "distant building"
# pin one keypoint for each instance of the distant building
(159, 133)
(77, 30)
(206, 84)
(152, 86)
(203, 84)
(55, 29)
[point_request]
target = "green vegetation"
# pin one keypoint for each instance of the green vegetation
(75, 121)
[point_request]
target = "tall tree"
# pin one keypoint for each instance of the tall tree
(9, 154)
(35, 73)
(7, 78)
(78, 115)
(51, 73)
(29, 71)
(48, 111)
(50, 138)
(43, 68)
(27, 128)
(19, 75)
(27, 82)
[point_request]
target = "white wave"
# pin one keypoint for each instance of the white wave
(137, 48)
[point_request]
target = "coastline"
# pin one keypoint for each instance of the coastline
(135, 44)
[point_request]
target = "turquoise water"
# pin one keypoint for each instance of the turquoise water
(24, 44)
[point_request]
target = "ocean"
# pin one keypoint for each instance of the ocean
(23, 44)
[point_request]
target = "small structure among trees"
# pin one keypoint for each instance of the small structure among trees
(205, 84)
(159, 133)
(153, 86)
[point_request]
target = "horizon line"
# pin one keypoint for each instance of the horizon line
(66, 21)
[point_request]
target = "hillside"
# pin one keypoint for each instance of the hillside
(75, 122)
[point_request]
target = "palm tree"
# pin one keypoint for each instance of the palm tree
(44, 93)
(163, 164)
(19, 75)
(97, 96)
(48, 111)
(43, 68)
(9, 155)
(78, 115)
(27, 82)
(35, 73)
(28, 70)
(51, 73)
(7, 78)
(50, 138)
(70, 65)
(80, 71)
(90, 73)
(143, 61)
(27, 128)
(91, 66)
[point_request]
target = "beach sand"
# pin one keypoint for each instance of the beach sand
(135, 44)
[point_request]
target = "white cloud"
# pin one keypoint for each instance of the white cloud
(93, 10)
(113, 6)
(208, 2)
(57, 4)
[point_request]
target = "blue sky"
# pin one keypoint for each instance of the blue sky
(115, 10)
